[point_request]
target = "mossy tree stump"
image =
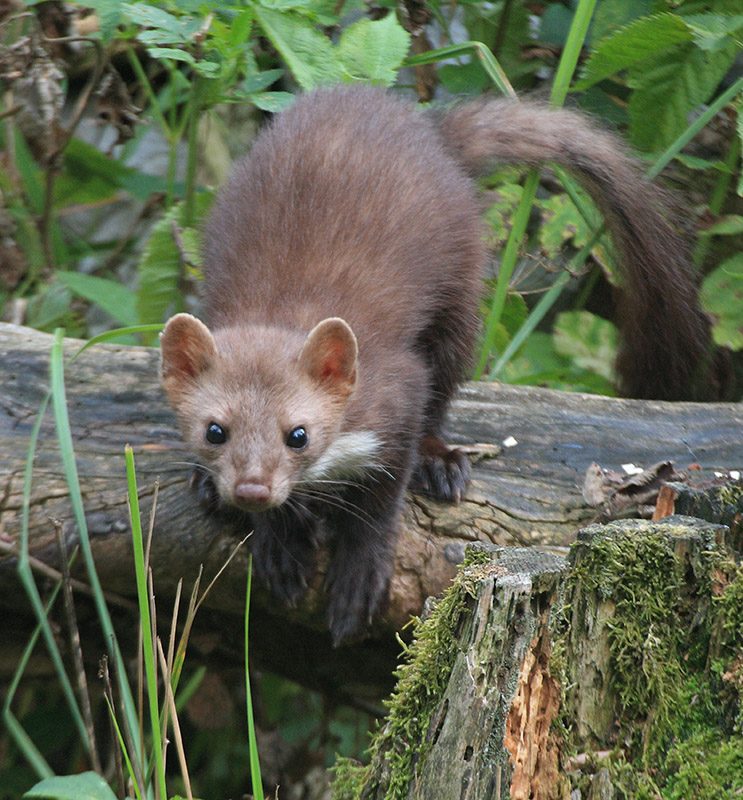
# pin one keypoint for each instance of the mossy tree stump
(614, 674)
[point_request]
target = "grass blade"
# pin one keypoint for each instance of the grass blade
(25, 575)
(64, 434)
(148, 647)
(255, 766)
(489, 62)
(20, 737)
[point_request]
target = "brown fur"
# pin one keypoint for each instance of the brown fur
(355, 205)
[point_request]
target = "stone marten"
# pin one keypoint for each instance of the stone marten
(343, 268)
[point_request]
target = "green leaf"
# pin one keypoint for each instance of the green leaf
(112, 297)
(51, 308)
(589, 340)
(240, 28)
(721, 296)
(539, 365)
(668, 86)
(272, 101)
(374, 49)
(632, 45)
(285, 5)
(561, 222)
(150, 16)
(85, 786)
(695, 162)
(162, 27)
(309, 55)
(462, 79)
(739, 128)
(160, 267)
(109, 15)
(260, 80)
(515, 312)
(610, 17)
(89, 176)
(208, 69)
(173, 53)
(555, 24)
(712, 31)
(499, 214)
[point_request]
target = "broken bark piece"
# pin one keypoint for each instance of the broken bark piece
(664, 506)
(617, 496)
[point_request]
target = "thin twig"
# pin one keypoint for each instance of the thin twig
(76, 647)
(42, 568)
(170, 699)
(108, 692)
(9, 112)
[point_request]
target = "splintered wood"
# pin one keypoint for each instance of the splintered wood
(534, 752)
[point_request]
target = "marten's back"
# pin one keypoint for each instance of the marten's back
(347, 205)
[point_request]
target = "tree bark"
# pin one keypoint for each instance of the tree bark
(525, 494)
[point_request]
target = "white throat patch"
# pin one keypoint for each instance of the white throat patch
(351, 455)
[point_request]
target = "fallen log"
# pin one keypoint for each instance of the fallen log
(525, 494)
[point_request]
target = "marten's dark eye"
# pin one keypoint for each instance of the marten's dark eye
(215, 434)
(297, 438)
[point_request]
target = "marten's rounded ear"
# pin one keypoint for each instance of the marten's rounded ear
(187, 350)
(329, 355)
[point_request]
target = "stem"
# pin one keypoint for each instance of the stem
(45, 221)
(165, 126)
(144, 82)
(681, 142)
(520, 220)
(146, 622)
(500, 33)
(544, 305)
(194, 112)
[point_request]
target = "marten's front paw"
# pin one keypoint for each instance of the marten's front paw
(355, 595)
(284, 560)
(441, 471)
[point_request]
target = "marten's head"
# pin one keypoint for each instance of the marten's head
(262, 408)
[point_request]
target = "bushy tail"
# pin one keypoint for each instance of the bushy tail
(666, 350)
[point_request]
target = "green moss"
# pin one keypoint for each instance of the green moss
(676, 658)
(642, 578)
(348, 775)
(730, 493)
(729, 607)
(672, 614)
(400, 743)
(706, 766)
